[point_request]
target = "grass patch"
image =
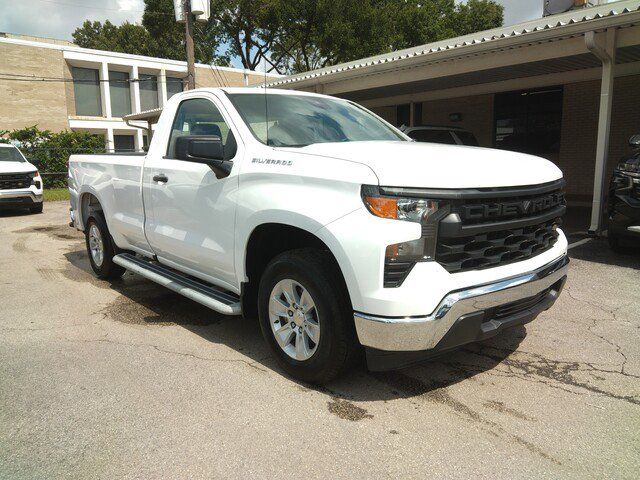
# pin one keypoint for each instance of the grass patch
(56, 194)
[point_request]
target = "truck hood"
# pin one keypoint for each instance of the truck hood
(431, 165)
(16, 167)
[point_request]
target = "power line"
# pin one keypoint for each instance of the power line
(103, 8)
(37, 78)
(218, 74)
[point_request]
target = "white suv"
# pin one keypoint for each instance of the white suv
(20, 182)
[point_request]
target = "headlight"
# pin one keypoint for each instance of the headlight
(630, 167)
(410, 209)
(36, 179)
(400, 258)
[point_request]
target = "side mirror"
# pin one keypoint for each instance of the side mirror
(634, 141)
(207, 149)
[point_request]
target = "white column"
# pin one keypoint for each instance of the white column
(608, 58)
(162, 88)
(104, 90)
(135, 89)
(139, 142)
(110, 142)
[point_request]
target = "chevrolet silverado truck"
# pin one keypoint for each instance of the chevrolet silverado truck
(20, 182)
(329, 225)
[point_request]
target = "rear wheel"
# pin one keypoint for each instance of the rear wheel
(101, 248)
(305, 315)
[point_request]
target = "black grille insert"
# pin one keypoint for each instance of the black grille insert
(12, 181)
(490, 232)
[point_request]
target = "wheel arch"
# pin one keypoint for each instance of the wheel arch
(267, 241)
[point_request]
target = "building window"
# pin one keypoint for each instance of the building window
(529, 121)
(124, 143)
(174, 85)
(148, 92)
(120, 94)
(86, 89)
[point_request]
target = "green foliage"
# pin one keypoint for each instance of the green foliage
(126, 38)
(158, 36)
(307, 34)
(50, 151)
(294, 36)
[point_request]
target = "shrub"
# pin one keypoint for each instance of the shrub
(50, 151)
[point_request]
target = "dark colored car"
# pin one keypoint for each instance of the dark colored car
(447, 135)
(624, 201)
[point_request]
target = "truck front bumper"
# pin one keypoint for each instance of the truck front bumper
(462, 317)
(20, 198)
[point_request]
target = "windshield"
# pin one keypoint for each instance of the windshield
(11, 154)
(300, 120)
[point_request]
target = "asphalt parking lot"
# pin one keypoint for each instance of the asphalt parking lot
(126, 379)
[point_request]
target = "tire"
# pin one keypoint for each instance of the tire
(315, 272)
(103, 266)
(37, 208)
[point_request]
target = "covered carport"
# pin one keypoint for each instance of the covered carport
(566, 87)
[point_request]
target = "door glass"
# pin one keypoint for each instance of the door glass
(198, 116)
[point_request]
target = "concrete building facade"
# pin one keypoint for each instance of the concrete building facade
(57, 85)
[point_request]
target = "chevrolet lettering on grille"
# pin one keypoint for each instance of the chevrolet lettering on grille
(512, 208)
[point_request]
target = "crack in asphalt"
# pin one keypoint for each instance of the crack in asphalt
(557, 371)
(253, 364)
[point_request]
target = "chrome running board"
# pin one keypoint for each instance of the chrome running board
(205, 294)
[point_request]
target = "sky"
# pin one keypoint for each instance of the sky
(59, 18)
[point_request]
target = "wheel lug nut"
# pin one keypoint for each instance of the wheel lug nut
(290, 312)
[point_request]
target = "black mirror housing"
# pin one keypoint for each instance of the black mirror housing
(206, 149)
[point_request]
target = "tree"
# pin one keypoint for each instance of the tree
(158, 36)
(126, 38)
(316, 33)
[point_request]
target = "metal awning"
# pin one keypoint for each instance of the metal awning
(150, 117)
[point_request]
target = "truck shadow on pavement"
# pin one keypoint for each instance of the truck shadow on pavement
(597, 250)
(142, 302)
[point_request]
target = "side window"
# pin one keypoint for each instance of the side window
(198, 116)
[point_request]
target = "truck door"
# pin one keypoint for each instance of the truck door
(190, 213)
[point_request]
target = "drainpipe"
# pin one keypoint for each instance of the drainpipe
(607, 56)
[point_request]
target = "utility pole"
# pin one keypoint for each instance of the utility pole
(191, 70)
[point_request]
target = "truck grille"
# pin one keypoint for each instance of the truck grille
(12, 181)
(494, 228)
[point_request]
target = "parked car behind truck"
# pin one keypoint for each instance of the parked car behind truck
(20, 182)
(329, 225)
(624, 201)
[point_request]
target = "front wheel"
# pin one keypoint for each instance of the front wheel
(306, 316)
(101, 249)
(37, 208)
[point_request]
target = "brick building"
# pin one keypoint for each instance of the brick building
(56, 85)
(565, 87)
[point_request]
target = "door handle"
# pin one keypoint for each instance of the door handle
(160, 178)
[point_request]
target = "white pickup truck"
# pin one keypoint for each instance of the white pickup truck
(329, 225)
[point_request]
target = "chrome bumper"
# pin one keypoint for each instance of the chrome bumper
(21, 194)
(424, 333)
